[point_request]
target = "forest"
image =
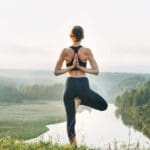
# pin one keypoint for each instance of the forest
(32, 92)
(133, 106)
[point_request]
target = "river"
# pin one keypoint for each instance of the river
(96, 129)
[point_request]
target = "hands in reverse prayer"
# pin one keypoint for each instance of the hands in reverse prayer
(76, 63)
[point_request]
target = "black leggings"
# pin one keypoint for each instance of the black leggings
(79, 87)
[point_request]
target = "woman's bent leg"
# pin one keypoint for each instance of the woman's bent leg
(94, 100)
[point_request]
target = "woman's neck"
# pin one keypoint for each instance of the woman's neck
(76, 43)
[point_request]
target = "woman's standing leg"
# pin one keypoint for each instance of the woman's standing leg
(69, 104)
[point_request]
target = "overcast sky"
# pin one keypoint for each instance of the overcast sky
(34, 32)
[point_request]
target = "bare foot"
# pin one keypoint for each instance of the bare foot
(77, 102)
(73, 141)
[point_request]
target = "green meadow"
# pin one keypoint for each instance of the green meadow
(29, 119)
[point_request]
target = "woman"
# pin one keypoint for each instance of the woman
(77, 84)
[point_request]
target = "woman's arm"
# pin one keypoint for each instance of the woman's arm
(94, 67)
(58, 70)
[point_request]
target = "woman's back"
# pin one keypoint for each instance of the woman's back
(82, 53)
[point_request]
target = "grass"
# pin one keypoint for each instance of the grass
(29, 119)
(7, 143)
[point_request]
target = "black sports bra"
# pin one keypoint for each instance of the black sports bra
(81, 63)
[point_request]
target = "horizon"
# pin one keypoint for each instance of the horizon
(35, 69)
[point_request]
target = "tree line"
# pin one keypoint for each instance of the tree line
(34, 92)
(134, 108)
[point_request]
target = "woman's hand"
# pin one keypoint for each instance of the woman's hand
(74, 63)
(77, 63)
(75, 60)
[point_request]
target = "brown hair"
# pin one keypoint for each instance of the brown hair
(78, 32)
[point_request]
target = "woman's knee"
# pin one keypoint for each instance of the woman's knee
(104, 105)
(102, 102)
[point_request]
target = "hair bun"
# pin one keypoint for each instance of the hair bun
(78, 32)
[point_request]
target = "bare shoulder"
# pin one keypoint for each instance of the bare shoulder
(84, 49)
(87, 50)
(64, 52)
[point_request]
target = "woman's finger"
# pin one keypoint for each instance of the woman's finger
(75, 56)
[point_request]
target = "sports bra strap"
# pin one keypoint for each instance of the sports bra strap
(75, 48)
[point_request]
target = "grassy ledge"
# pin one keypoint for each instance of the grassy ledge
(8, 143)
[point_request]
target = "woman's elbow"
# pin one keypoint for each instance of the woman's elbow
(96, 72)
(56, 73)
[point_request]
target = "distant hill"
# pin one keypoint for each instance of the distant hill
(126, 84)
